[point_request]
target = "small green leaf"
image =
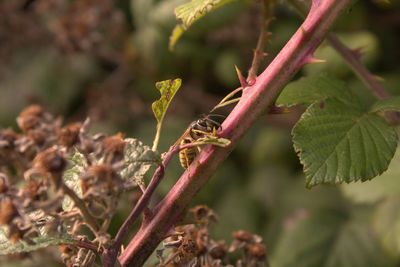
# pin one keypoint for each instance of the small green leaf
(167, 90)
(138, 159)
(392, 103)
(190, 12)
(35, 243)
(72, 176)
(211, 140)
(329, 239)
(339, 143)
(383, 186)
(314, 88)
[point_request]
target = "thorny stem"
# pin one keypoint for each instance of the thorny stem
(89, 219)
(255, 100)
(259, 54)
(110, 255)
(351, 59)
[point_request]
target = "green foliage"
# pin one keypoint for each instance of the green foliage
(35, 243)
(167, 90)
(310, 89)
(392, 103)
(71, 178)
(189, 13)
(339, 143)
(138, 158)
(329, 239)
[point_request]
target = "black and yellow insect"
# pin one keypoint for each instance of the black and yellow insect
(202, 128)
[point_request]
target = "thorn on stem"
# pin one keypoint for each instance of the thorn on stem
(242, 79)
(310, 59)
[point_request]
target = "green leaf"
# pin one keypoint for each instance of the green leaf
(167, 90)
(72, 176)
(383, 186)
(28, 244)
(386, 223)
(190, 12)
(392, 103)
(138, 159)
(339, 143)
(329, 239)
(308, 90)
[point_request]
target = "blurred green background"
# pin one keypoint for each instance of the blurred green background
(101, 59)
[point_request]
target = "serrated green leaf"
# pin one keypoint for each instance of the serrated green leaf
(71, 177)
(329, 239)
(392, 103)
(383, 186)
(386, 224)
(308, 90)
(167, 90)
(138, 158)
(190, 12)
(42, 241)
(339, 143)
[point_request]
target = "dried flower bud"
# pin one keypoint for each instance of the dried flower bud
(218, 251)
(8, 211)
(65, 249)
(99, 175)
(50, 160)
(30, 117)
(69, 135)
(7, 138)
(15, 234)
(3, 183)
(114, 147)
(202, 214)
(243, 236)
(257, 251)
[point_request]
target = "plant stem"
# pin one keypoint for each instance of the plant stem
(255, 100)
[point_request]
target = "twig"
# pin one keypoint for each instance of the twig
(89, 219)
(259, 54)
(88, 245)
(255, 100)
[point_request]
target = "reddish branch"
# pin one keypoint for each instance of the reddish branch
(255, 100)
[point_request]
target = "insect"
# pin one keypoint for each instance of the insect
(201, 128)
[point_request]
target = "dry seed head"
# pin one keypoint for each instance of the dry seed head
(3, 183)
(50, 160)
(98, 175)
(114, 146)
(30, 117)
(257, 251)
(8, 211)
(243, 236)
(218, 251)
(7, 138)
(69, 134)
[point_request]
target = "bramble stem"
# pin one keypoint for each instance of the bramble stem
(255, 100)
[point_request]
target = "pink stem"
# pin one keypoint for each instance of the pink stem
(254, 102)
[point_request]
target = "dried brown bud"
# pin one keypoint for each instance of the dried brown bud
(3, 183)
(50, 160)
(243, 236)
(114, 146)
(218, 251)
(7, 138)
(15, 234)
(69, 135)
(99, 175)
(64, 249)
(7, 211)
(38, 137)
(30, 117)
(202, 214)
(257, 251)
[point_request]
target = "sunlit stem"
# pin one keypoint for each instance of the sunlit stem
(226, 103)
(225, 99)
(157, 137)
